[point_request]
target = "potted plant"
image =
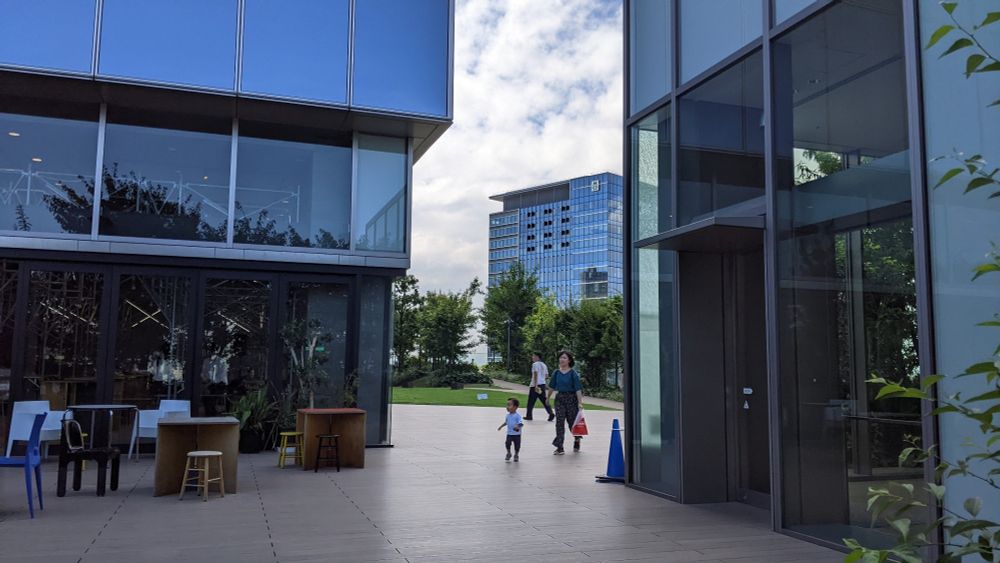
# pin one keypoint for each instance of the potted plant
(256, 413)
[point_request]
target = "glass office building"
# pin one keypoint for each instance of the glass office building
(568, 233)
(188, 188)
(785, 246)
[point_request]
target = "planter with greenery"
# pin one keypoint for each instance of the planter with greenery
(256, 413)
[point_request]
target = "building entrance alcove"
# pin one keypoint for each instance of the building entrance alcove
(723, 377)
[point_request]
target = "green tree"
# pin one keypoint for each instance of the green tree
(596, 329)
(511, 300)
(406, 304)
(545, 329)
(446, 321)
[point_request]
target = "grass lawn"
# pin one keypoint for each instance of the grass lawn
(462, 397)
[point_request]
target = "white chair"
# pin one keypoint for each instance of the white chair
(172, 405)
(21, 418)
(145, 424)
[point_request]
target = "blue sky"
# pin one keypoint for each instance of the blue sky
(538, 98)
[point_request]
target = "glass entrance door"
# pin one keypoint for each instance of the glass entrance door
(746, 361)
(64, 337)
(153, 335)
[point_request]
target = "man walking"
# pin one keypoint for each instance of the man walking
(539, 373)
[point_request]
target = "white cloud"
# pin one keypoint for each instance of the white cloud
(538, 98)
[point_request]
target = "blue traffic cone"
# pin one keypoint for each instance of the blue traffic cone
(616, 457)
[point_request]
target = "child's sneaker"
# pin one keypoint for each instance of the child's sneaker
(508, 457)
(515, 457)
(576, 444)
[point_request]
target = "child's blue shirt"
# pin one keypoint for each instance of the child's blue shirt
(513, 419)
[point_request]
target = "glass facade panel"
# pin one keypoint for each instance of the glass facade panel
(846, 301)
(784, 9)
(381, 194)
(650, 39)
(165, 184)
(235, 346)
(55, 34)
(962, 227)
(47, 173)
(721, 145)
(401, 55)
(651, 173)
(711, 30)
(315, 342)
(8, 299)
(153, 339)
(293, 194)
(373, 377)
(654, 441)
(297, 51)
(189, 42)
(63, 338)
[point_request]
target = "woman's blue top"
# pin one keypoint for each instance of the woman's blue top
(568, 382)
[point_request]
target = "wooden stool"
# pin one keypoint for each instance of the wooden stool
(199, 463)
(298, 455)
(327, 442)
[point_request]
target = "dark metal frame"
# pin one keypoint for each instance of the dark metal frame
(919, 209)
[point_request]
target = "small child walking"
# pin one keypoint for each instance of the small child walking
(514, 423)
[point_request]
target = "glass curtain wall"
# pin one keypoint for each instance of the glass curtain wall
(711, 30)
(401, 55)
(165, 183)
(153, 339)
(374, 378)
(236, 336)
(654, 389)
(63, 337)
(381, 207)
(314, 337)
(650, 40)
(53, 34)
(292, 193)
(721, 152)
(189, 42)
(846, 297)
(47, 162)
(297, 51)
(8, 300)
(962, 225)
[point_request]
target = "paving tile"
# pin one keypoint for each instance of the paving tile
(439, 495)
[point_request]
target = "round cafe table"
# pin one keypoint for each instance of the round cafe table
(97, 424)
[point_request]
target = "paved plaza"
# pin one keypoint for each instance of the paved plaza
(443, 493)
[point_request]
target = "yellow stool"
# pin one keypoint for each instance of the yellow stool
(297, 455)
(83, 464)
(199, 463)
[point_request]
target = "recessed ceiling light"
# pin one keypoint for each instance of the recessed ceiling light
(13, 133)
(36, 159)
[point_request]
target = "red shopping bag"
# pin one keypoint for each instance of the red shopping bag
(579, 425)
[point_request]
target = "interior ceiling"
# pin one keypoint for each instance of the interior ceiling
(848, 79)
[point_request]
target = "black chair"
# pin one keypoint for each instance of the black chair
(327, 442)
(73, 450)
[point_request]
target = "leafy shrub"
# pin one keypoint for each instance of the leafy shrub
(504, 375)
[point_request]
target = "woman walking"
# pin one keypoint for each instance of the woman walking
(565, 384)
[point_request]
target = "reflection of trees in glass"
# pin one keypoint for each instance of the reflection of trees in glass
(817, 164)
(133, 206)
(263, 229)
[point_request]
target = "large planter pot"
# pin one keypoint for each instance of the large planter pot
(251, 442)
